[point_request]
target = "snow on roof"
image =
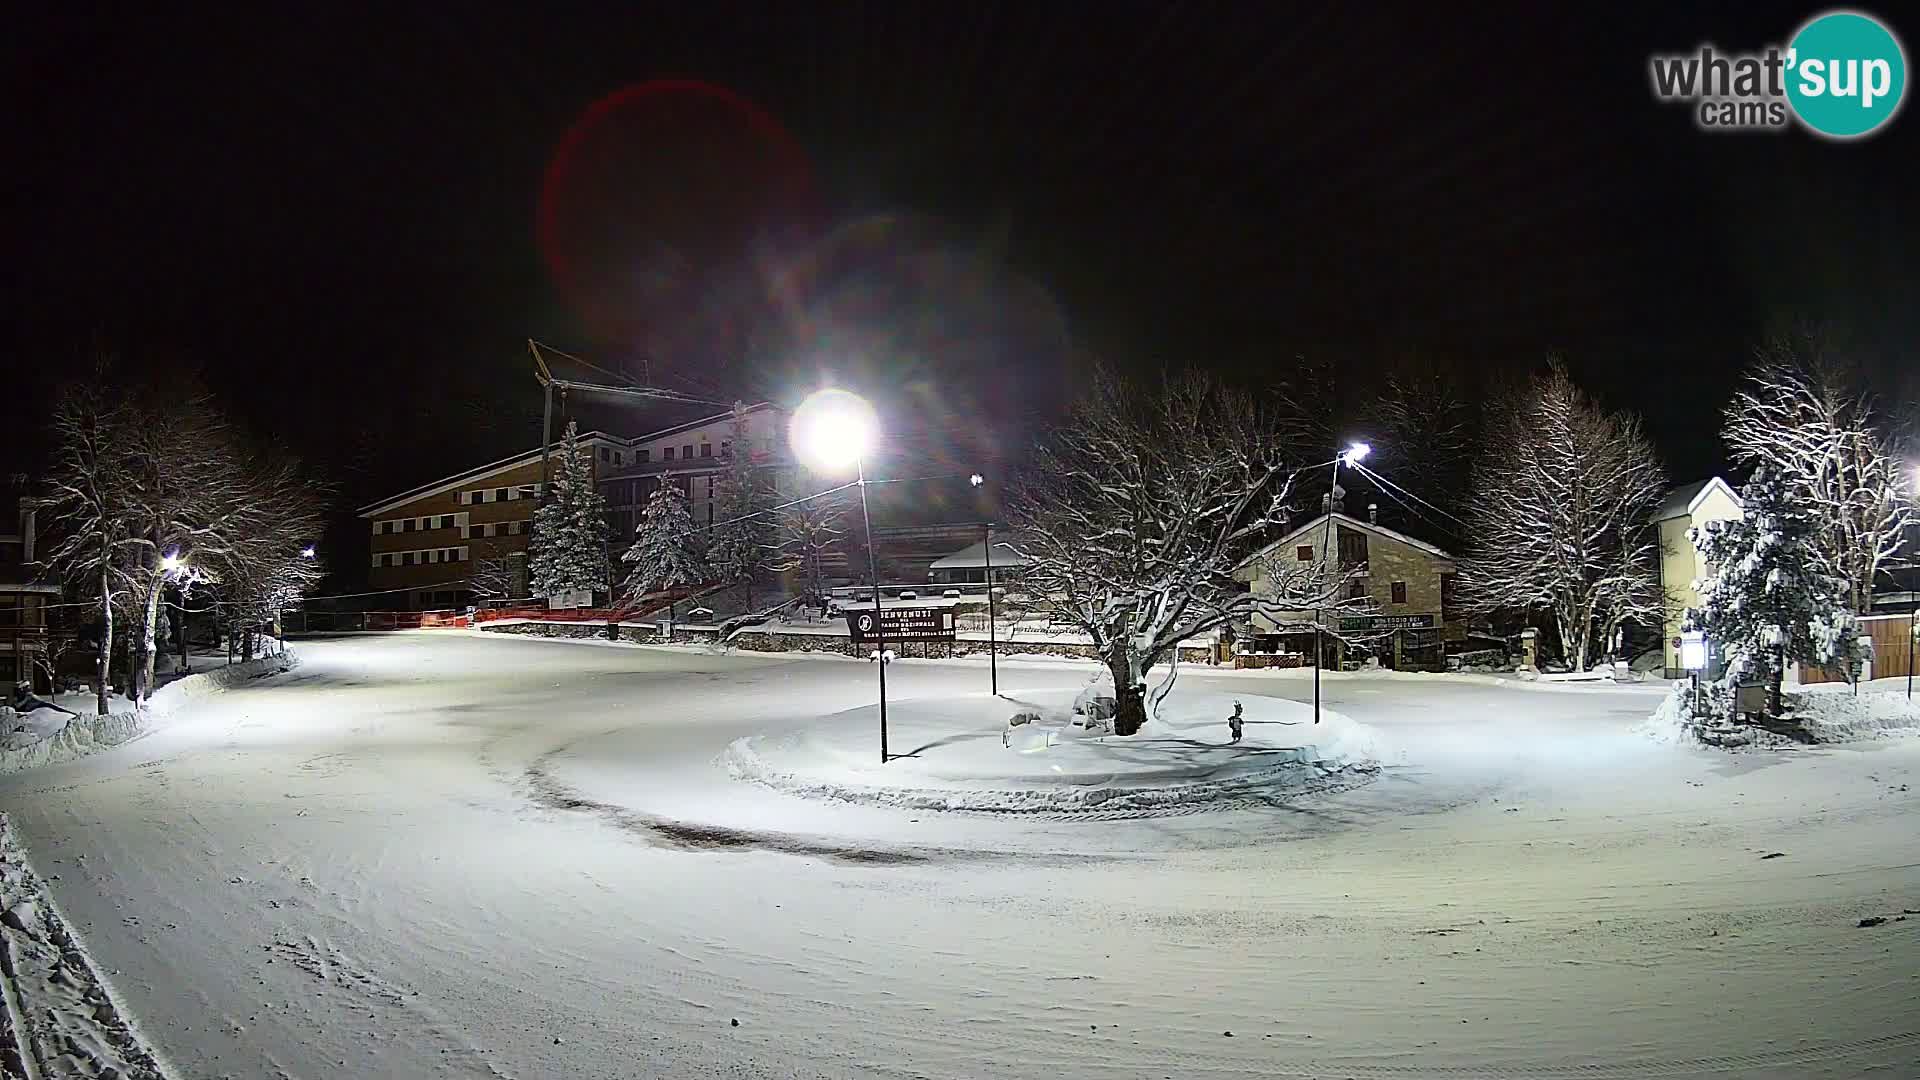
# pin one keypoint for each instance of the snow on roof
(434, 487)
(1685, 499)
(1364, 526)
(974, 557)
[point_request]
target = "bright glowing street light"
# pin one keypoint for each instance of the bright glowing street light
(833, 430)
(307, 552)
(1355, 453)
(172, 563)
(976, 479)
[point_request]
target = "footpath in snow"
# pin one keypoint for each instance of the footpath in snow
(961, 754)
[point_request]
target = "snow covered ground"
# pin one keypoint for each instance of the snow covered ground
(960, 753)
(444, 855)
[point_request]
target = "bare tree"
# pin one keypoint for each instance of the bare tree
(492, 576)
(1560, 516)
(1136, 514)
(1798, 416)
(262, 563)
(805, 534)
(92, 488)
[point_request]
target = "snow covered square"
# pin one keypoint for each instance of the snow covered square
(445, 853)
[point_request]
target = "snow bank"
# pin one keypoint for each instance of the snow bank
(60, 1019)
(45, 736)
(960, 754)
(1826, 714)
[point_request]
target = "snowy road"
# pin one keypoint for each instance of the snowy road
(446, 855)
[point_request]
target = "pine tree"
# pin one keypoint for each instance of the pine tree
(1771, 599)
(741, 545)
(569, 545)
(666, 549)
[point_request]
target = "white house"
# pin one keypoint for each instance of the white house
(1680, 563)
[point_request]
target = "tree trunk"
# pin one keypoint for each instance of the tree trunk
(143, 663)
(1130, 699)
(102, 667)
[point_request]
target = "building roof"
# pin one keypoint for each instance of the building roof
(446, 483)
(435, 487)
(1356, 523)
(974, 557)
(691, 424)
(1685, 499)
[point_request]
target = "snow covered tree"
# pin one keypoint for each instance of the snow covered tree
(1770, 598)
(1138, 510)
(1798, 416)
(1559, 516)
(492, 576)
(807, 534)
(740, 549)
(569, 542)
(667, 551)
(92, 490)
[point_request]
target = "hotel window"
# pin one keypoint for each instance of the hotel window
(1399, 592)
(1356, 589)
(642, 456)
(687, 451)
(1303, 553)
(500, 494)
(669, 453)
(706, 449)
(619, 457)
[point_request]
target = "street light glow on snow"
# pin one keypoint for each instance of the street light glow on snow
(1356, 452)
(833, 429)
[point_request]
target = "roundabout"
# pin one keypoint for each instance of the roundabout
(966, 754)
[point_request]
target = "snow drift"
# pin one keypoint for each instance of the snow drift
(963, 754)
(1829, 713)
(45, 737)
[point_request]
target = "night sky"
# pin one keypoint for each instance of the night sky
(349, 222)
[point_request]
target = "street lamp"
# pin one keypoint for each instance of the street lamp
(993, 643)
(307, 552)
(831, 430)
(172, 562)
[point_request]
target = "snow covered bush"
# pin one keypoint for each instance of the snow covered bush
(569, 543)
(1771, 599)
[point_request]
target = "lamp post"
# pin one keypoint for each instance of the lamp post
(993, 651)
(1353, 453)
(831, 430)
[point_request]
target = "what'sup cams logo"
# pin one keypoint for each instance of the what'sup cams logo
(1843, 75)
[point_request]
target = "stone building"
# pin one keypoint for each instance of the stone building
(1408, 585)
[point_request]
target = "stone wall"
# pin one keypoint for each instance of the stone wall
(765, 641)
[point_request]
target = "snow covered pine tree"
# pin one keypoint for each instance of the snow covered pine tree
(569, 548)
(1771, 599)
(741, 552)
(666, 551)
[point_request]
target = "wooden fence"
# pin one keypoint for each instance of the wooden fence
(1891, 634)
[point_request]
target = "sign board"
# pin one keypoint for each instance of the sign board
(1387, 622)
(902, 624)
(570, 598)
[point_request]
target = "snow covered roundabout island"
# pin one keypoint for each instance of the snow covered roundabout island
(1033, 753)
